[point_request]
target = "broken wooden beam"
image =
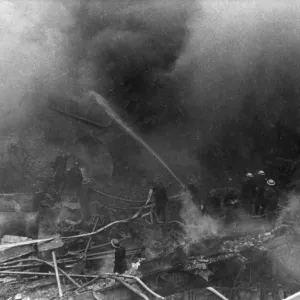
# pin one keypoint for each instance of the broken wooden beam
(45, 249)
(16, 252)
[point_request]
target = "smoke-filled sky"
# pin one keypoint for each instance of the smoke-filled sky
(208, 60)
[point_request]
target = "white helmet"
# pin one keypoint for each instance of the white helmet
(250, 175)
(270, 182)
(261, 172)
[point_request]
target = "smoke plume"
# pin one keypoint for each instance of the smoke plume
(212, 78)
(239, 76)
(286, 249)
(32, 55)
(197, 226)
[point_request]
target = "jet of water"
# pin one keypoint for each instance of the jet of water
(103, 103)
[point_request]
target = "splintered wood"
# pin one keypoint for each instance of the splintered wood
(9, 253)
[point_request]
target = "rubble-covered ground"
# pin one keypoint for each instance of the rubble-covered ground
(189, 251)
(219, 255)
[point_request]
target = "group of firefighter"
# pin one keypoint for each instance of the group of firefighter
(259, 194)
(258, 197)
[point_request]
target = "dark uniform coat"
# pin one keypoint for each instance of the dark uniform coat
(120, 260)
(74, 177)
(161, 200)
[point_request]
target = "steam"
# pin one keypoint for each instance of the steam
(197, 226)
(32, 54)
(238, 70)
(286, 253)
(153, 57)
(222, 64)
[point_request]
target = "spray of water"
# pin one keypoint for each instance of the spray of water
(103, 103)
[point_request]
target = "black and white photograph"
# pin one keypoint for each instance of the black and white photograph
(149, 149)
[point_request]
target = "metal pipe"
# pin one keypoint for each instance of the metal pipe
(60, 293)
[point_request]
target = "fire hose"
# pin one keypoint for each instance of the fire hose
(211, 289)
(293, 297)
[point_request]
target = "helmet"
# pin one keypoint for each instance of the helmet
(270, 182)
(192, 181)
(115, 243)
(157, 180)
(261, 172)
(250, 175)
(213, 193)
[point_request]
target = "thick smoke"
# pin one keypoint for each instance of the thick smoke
(240, 78)
(226, 68)
(33, 44)
(224, 65)
(127, 51)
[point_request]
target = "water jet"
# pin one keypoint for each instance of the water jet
(110, 111)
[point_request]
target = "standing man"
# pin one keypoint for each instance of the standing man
(196, 197)
(160, 200)
(60, 167)
(260, 182)
(120, 257)
(271, 199)
(248, 191)
(74, 180)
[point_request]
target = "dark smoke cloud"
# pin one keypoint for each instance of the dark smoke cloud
(230, 66)
(128, 51)
(239, 74)
(33, 44)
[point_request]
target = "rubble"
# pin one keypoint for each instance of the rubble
(16, 252)
(45, 249)
(72, 255)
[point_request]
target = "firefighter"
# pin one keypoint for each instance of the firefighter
(271, 199)
(196, 197)
(74, 179)
(214, 201)
(248, 191)
(120, 257)
(260, 181)
(60, 167)
(160, 200)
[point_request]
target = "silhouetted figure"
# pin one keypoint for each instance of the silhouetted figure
(260, 182)
(74, 179)
(196, 197)
(271, 199)
(160, 200)
(60, 167)
(214, 201)
(248, 191)
(120, 257)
